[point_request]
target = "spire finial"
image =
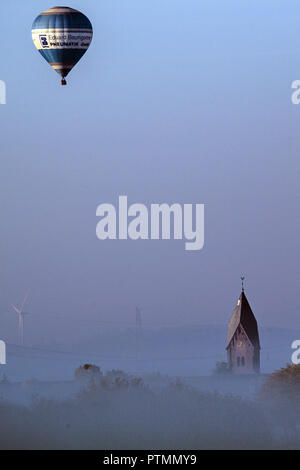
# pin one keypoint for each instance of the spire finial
(242, 279)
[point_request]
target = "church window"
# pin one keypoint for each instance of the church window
(238, 361)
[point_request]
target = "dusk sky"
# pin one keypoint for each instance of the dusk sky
(176, 101)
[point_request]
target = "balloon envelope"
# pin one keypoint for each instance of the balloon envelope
(62, 36)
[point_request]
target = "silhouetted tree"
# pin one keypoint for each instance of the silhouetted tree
(88, 372)
(221, 369)
(280, 396)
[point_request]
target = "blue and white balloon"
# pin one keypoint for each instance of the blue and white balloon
(62, 36)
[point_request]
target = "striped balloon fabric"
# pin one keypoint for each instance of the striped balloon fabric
(62, 35)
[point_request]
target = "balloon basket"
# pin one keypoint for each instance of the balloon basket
(63, 82)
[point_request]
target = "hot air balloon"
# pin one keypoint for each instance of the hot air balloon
(62, 35)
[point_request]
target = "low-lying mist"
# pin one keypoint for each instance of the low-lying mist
(116, 411)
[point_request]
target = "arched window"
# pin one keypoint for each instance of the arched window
(238, 361)
(242, 361)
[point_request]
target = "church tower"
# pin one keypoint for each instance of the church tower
(243, 347)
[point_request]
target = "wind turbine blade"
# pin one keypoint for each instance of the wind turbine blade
(16, 309)
(24, 301)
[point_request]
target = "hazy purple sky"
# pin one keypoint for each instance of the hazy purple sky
(176, 101)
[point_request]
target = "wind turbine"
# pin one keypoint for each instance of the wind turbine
(21, 315)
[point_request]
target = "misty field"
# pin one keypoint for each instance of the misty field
(119, 412)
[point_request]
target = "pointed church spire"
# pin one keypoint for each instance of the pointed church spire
(243, 346)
